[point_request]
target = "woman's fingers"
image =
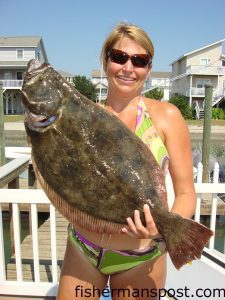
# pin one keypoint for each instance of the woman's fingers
(137, 229)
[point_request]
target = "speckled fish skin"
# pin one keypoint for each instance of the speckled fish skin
(102, 166)
(95, 163)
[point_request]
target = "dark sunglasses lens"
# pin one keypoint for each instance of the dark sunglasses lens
(118, 57)
(140, 60)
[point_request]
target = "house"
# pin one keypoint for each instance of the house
(68, 76)
(15, 53)
(193, 70)
(159, 80)
(156, 79)
(99, 79)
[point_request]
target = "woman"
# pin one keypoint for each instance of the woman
(127, 59)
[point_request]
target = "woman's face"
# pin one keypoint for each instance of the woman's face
(126, 80)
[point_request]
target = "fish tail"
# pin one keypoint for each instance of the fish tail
(185, 239)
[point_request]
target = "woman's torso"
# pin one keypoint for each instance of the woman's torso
(144, 129)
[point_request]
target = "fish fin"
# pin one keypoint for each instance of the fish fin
(74, 215)
(185, 239)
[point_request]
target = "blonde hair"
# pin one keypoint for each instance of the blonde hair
(133, 32)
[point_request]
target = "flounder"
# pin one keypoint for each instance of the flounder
(94, 170)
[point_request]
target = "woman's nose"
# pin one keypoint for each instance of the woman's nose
(128, 66)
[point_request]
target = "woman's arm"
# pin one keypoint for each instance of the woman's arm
(178, 144)
(174, 132)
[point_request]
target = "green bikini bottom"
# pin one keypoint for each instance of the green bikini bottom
(112, 261)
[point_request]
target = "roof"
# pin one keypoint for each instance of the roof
(65, 74)
(97, 73)
(20, 41)
(102, 85)
(202, 48)
(158, 74)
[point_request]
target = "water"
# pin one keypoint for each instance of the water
(217, 152)
(219, 233)
(217, 146)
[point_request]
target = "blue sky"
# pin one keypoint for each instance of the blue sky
(73, 30)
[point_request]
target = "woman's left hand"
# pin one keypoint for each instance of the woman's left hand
(137, 229)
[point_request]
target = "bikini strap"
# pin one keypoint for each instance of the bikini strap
(147, 132)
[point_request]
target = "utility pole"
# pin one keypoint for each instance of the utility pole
(2, 135)
(207, 131)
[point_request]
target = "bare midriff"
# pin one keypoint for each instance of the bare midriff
(114, 241)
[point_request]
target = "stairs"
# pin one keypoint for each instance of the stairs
(201, 114)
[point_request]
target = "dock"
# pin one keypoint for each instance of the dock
(44, 252)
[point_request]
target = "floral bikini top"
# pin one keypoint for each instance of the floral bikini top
(146, 131)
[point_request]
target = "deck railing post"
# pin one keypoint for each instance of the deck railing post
(32, 184)
(207, 131)
(2, 134)
(14, 184)
(214, 207)
(198, 204)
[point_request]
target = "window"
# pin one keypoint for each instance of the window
(38, 55)
(19, 75)
(7, 75)
(223, 63)
(204, 61)
(200, 83)
(103, 91)
(19, 53)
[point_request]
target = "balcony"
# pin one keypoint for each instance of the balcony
(205, 70)
(218, 94)
(197, 92)
(12, 84)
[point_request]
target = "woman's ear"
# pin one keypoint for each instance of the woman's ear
(149, 70)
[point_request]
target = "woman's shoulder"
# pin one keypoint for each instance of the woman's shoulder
(161, 108)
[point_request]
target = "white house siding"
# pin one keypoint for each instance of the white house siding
(10, 54)
(213, 80)
(97, 80)
(41, 53)
(179, 86)
(213, 53)
(192, 64)
(32, 47)
(179, 67)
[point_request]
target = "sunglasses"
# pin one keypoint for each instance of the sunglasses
(121, 57)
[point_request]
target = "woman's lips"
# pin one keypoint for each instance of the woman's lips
(126, 79)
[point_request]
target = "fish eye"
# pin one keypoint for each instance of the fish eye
(45, 122)
(39, 122)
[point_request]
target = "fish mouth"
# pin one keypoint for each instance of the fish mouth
(39, 122)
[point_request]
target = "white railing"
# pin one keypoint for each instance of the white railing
(12, 84)
(214, 189)
(197, 109)
(207, 70)
(35, 197)
(218, 95)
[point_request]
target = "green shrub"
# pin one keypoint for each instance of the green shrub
(181, 103)
(156, 94)
(218, 114)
